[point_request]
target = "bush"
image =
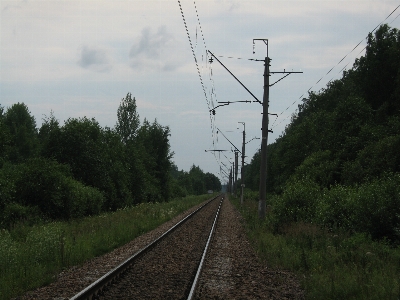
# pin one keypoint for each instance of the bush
(14, 213)
(378, 208)
(43, 188)
(336, 208)
(372, 208)
(297, 203)
(7, 185)
(82, 200)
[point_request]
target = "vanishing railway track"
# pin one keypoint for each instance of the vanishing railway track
(167, 268)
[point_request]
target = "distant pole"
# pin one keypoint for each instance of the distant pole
(233, 177)
(263, 168)
(242, 169)
(230, 181)
(236, 171)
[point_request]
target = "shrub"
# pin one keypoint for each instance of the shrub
(336, 208)
(7, 186)
(378, 208)
(81, 200)
(14, 213)
(297, 203)
(372, 208)
(45, 188)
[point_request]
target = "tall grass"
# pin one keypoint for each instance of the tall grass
(32, 256)
(330, 264)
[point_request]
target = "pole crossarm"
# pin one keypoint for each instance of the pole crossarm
(254, 138)
(241, 101)
(229, 141)
(225, 103)
(235, 77)
(284, 72)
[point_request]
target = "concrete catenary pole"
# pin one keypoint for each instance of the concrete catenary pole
(242, 169)
(264, 139)
(236, 170)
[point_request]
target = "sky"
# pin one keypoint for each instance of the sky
(79, 58)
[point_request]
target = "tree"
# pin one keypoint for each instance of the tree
(5, 139)
(356, 119)
(20, 126)
(212, 182)
(377, 73)
(128, 119)
(154, 140)
(49, 134)
(81, 145)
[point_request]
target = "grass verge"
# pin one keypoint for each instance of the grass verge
(330, 265)
(32, 256)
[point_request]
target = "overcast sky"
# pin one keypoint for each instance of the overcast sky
(80, 58)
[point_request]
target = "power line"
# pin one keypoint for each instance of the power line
(301, 97)
(204, 58)
(194, 54)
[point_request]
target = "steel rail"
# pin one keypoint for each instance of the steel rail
(97, 287)
(199, 269)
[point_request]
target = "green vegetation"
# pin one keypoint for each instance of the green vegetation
(31, 256)
(196, 182)
(64, 172)
(330, 264)
(337, 164)
(334, 183)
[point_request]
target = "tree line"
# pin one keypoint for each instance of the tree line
(80, 168)
(338, 161)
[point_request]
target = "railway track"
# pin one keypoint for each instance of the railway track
(167, 268)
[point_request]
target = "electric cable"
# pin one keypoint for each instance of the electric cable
(272, 126)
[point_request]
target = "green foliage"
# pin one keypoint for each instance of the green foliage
(128, 119)
(79, 146)
(81, 200)
(79, 168)
(96, 158)
(331, 265)
(19, 133)
(43, 188)
(195, 182)
(15, 213)
(355, 119)
(7, 185)
(373, 160)
(377, 72)
(252, 171)
(49, 136)
(297, 203)
(31, 256)
(318, 167)
(372, 208)
(154, 140)
(377, 208)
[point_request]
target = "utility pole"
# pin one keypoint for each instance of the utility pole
(233, 177)
(228, 187)
(242, 169)
(262, 207)
(263, 168)
(236, 171)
